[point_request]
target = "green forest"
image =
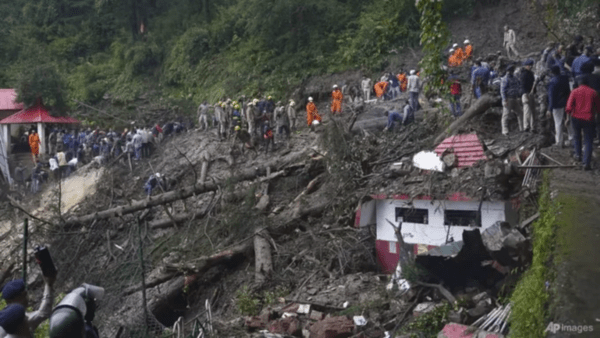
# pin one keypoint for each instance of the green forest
(88, 50)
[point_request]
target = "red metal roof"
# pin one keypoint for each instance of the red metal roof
(36, 114)
(7, 100)
(467, 148)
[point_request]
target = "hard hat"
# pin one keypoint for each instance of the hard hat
(455, 45)
(451, 50)
(467, 42)
(310, 99)
(255, 101)
(269, 97)
(157, 174)
(412, 72)
(237, 106)
(315, 122)
(292, 102)
(335, 86)
(237, 128)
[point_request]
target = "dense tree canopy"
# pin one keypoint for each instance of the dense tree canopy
(195, 49)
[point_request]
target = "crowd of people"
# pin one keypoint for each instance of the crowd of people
(562, 86)
(70, 149)
(557, 83)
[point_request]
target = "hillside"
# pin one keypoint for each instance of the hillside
(241, 240)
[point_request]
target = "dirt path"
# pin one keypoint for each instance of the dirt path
(577, 298)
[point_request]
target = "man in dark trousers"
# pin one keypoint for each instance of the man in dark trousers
(582, 109)
(558, 94)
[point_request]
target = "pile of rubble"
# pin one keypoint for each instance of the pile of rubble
(468, 163)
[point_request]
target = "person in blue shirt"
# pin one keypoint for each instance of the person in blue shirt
(480, 79)
(392, 116)
(580, 60)
(409, 114)
(558, 94)
(510, 90)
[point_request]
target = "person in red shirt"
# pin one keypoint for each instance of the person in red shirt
(582, 107)
(455, 93)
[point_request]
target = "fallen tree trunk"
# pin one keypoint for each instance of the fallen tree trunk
(262, 254)
(200, 265)
(183, 193)
(177, 219)
(479, 107)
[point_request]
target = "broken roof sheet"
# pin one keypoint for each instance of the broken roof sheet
(467, 148)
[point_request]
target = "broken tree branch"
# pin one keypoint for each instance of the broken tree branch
(447, 294)
(16, 205)
(479, 107)
(179, 194)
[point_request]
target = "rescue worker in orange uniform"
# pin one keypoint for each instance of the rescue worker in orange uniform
(34, 144)
(312, 114)
(452, 60)
(468, 50)
(381, 88)
(403, 81)
(336, 100)
(459, 53)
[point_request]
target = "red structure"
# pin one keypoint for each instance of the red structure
(8, 104)
(467, 148)
(38, 115)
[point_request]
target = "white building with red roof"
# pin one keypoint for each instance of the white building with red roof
(428, 221)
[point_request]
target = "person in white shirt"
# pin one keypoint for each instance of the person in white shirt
(366, 88)
(137, 144)
(15, 294)
(414, 87)
(510, 40)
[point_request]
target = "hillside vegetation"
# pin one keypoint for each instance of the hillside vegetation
(194, 49)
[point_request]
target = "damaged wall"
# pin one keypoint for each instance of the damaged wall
(425, 222)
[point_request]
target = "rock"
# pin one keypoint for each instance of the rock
(332, 327)
(424, 308)
(459, 316)
(263, 203)
(479, 297)
(312, 291)
(316, 315)
(483, 307)
(450, 160)
(288, 326)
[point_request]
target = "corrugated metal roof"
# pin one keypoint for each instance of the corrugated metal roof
(467, 148)
(36, 114)
(7, 100)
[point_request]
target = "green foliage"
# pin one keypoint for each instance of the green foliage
(434, 38)
(270, 297)
(530, 298)
(414, 273)
(247, 302)
(42, 83)
(382, 26)
(431, 323)
(197, 50)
